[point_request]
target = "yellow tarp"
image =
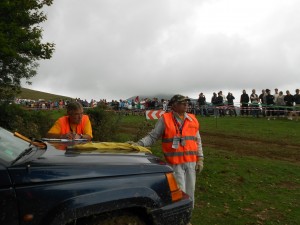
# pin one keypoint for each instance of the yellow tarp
(110, 147)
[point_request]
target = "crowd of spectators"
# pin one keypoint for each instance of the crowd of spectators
(266, 104)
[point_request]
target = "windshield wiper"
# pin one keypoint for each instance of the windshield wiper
(27, 151)
(37, 143)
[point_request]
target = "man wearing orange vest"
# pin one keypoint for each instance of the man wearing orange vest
(181, 143)
(73, 126)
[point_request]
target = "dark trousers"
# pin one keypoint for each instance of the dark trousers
(244, 109)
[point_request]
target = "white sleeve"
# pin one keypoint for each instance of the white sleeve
(153, 135)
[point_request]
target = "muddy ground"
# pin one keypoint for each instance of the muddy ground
(253, 147)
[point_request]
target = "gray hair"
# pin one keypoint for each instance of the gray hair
(72, 106)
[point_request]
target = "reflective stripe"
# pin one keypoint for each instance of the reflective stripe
(171, 154)
(167, 140)
(193, 138)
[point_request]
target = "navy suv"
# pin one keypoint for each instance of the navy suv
(42, 184)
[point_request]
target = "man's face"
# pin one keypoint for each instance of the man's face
(181, 107)
(75, 116)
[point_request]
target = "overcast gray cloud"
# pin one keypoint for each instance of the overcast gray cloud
(116, 49)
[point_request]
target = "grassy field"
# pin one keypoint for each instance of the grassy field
(36, 95)
(252, 169)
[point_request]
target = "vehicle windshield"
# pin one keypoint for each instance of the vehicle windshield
(10, 146)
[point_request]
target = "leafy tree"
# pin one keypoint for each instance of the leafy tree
(20, 43)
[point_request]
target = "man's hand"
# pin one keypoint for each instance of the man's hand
(199, 165)
(69, 135)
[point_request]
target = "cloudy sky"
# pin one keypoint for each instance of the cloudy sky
(115, 49)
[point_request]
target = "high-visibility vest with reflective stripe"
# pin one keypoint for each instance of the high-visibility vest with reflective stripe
(65, 125)
(186, 153)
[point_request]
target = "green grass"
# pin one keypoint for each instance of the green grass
(234, 189)
(36, 95)
(251, 170)
(280, 129)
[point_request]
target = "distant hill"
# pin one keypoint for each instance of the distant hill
(36, 95)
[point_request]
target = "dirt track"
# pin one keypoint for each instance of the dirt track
(253, 147)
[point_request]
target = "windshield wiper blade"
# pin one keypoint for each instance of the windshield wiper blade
(27, 151)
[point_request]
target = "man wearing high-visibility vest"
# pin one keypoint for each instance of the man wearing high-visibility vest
(181, 142)
(75, 125)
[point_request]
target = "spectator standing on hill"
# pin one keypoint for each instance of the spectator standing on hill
(224, 97)
(202, 104)
(289, 102)
(280, 104)
(270, 103)
(244, 103)
(75, 125)
(181, 142)
(133, 104)
(276, 94)
(254, 103)
(262, 98)
(143, 102)
(61, 104)
(220, 104)
(297, 101)
(230, 103)
(214, 104)
(165, 105)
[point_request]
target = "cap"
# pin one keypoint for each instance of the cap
(267, 90)
(179, 98)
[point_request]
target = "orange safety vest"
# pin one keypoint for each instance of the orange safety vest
(65, 125)
(186, 153)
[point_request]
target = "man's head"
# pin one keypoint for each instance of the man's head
(268, 91)
(179, 103)
(75, 112)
